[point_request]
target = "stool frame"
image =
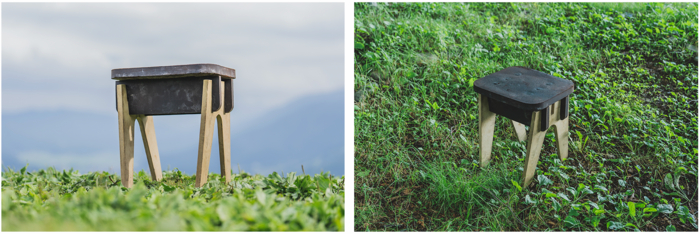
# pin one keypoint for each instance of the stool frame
(168, 90)
(554, 115)
(209, 117)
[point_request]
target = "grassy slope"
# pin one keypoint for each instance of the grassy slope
(633, 118)
(50, 200)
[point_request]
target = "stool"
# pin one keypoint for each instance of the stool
(142, 92)
(527, 97)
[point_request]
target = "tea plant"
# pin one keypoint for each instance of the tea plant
(633, 127)
(51, 200)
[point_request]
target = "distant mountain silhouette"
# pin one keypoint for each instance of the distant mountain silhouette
(308, 131)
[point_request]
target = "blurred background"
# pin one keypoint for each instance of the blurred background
(58, 101)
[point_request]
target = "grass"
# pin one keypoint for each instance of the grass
(633, 142)
(51, 200)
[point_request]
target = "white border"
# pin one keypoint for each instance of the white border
(349, 118)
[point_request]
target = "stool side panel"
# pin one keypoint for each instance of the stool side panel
(169, 96)
(164, 97)
(228, 95)
(526, 106)
(216, 93)
(505, 110)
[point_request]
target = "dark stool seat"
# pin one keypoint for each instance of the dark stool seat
(516, 92)
(529, 98)
(176, 71)
(142, 92)
(524, 88)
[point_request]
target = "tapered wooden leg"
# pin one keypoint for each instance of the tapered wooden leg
(561, 127)
(205, 135)
(520, 130)
(148, 134)
(562, 135)
(487, 121)
(534, 147)
(224, 120)
(126, 137)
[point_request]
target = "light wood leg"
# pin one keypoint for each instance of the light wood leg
(561, 127)
(148, 134)
(487, 121)
(520, 130)
(126, 137)
(562, 135)
(224, 120)
(205, 135)
(534, 147)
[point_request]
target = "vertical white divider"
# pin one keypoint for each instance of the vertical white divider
(349, 117)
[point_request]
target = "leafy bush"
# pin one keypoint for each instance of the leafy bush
(51, 200)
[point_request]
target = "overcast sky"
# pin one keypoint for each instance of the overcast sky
(58, 56)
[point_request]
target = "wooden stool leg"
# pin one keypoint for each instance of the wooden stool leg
(534, 146)
(561, 132)
(520, 130)
(148, 134)
(205, 135)
(224, 120)
(126, 137)
(562, 135)
(487, 121)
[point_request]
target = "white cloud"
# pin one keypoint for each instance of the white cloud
(27, 42)
(59, 55)
(50, 100)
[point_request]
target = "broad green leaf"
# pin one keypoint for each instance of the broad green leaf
(517, 185)
(168, 188)
(573, 212)
(601, 188)
(598, 211)
(615, 225)
(563, 196)
(410, 74)
(544, 180)
(622, 183)
(571, 222)
(670, 228)
(632, 209)
(363, 173)
(668, 181)
(556, 205)
(665, 208)
(529, 200)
